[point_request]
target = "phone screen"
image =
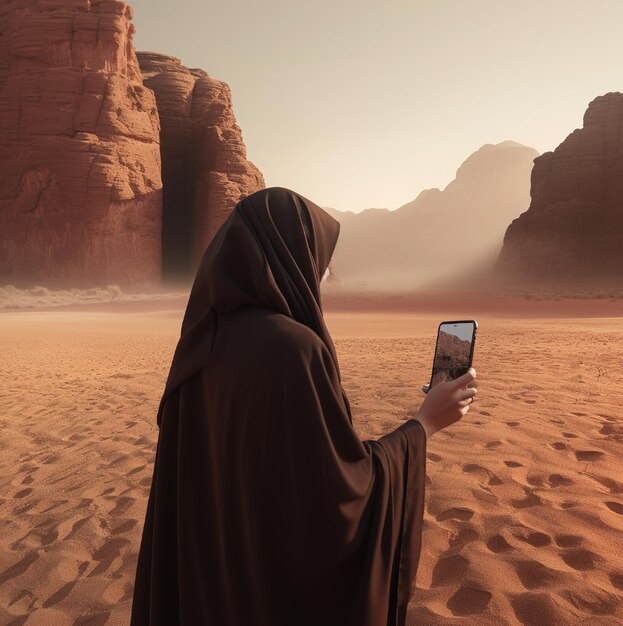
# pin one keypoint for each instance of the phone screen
(454, 350)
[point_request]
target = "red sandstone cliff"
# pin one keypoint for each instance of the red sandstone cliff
(572, 233)
(205, 170)
(452, 357)
(452, 351)
(80, 181)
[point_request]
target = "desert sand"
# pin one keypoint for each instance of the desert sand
(524, 503)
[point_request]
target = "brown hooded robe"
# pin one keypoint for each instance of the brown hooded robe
(266, 508)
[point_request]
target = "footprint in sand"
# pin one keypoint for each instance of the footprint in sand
(107, 554)
(592, 601)
(125, 527)
(473, 468)
(491, 445)
(536, 480)
(462, 538)
(588, 455)
(449, 570)
(579, 558)
(484, 495)
(610, 431)
(18, 568)
(122, 505)
(531, 499)
(534, 575)
(54, 505)
(469, 600)
(557, 480)
(579, 413)
(617, 507)
(99, 619)
(569, 435)
(612, 485)
(512, 424)
(44, 533)
(24, 508)
(616, 578)
(512, 464)
(537, 609)
(536, 539)
(433, 457)
(459, 513)
(53, 458)
(59, 595)
(568, 541)
(558, 445)
(498, 544)
(77, 525)
(28, 598)
(485, 413)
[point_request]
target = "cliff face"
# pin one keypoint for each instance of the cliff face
(452, 351)
(205, 169)
(81, 188)
(452, 357)
(572, 232)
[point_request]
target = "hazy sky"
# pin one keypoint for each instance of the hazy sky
(364, 104)
(462, 331)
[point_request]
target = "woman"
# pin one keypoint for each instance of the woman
(266, 509)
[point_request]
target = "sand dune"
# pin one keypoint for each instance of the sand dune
(39, 297)
(524, 507)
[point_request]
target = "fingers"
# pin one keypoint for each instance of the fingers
(469, 392)
(461, 381)
(466, 402)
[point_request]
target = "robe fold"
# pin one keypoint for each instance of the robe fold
(266, 508)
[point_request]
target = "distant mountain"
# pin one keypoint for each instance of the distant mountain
(441, 232)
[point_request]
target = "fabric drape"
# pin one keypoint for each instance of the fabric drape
(266, 508)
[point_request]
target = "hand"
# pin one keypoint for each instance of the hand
(447, 402)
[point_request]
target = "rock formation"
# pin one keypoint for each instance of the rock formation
(451, 359)
(441, 232)
(205, 170)
(452, 351)
(81, 188)
(572, 232)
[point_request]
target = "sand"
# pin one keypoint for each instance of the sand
(524, 505)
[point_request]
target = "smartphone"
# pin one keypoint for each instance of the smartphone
(454, 350)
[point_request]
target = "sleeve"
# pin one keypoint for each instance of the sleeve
(350, 511)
